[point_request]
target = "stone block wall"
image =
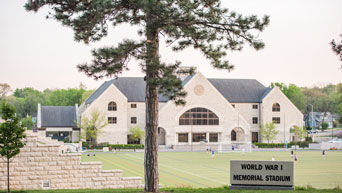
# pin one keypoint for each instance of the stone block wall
(41, 165)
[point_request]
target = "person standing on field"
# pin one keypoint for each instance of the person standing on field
(212, 153)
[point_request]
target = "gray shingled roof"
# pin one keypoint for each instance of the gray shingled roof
(239, 90)
(268, 90)
(234, 90)
(58, 116)
(132, 87)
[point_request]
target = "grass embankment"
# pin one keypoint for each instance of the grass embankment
(199, 170)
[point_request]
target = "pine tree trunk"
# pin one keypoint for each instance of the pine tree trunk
(151, 101)
(8, 179)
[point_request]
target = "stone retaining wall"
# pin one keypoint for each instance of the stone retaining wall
(41, 165)
(325, 145)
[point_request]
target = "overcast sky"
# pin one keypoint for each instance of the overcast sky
(40, 53)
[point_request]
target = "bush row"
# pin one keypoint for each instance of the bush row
(113, 146)
(301, 144)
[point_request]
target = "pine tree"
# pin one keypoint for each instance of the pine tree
(337, 47)
(201, 24)
(11, 135)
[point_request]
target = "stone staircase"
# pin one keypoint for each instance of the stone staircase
(41, 165)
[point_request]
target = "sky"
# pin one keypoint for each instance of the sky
(41, 53)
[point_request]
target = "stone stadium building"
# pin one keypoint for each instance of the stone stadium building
(218, 112)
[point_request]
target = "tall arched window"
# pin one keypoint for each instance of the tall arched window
(112, 106)
(233, 136)
(276, 107)
(198, 116)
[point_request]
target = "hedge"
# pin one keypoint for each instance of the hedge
(281, 145)
(113, 146)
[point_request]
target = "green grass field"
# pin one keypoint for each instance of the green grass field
(199, 170)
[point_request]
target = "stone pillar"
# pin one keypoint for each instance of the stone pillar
(189, 138)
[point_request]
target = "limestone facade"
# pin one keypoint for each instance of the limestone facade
(245, 118)
(41, 165)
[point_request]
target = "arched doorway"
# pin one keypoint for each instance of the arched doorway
(161, 136)
(233, 135)
(237, 135)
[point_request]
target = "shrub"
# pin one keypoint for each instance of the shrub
(308, 139)
(324, 126)
(339, 134)
(274, 145)
(113, 146)
(303, 144)
(127, 146)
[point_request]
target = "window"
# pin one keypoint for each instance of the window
(133, 120)
(183, 137)
(276, 120)
(233, 105)
(46, 184)
(276, 107)
(133, 106)
(112, 106)
(255, 107)
(198, 116)
(111, 120)
(132, 141)
(255, 120)
(198, 137)
(213, 137)
(233, 136)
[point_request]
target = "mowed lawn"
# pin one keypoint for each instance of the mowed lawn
(198, 169)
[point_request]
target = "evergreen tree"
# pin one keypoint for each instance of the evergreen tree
(11, 135)
(337, 47)
(201, 24)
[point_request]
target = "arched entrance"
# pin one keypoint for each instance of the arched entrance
(161, 136)
(237, 135)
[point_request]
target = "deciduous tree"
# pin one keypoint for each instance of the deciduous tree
(294, 93)
(91, 126)
(201, 24)
(136, 133)
(268, 132)
(27, 122)
(299, 133)
(11, 135)
(66, 97)
(4, 89)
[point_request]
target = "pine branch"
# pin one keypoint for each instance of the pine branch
(111, 61)
(337, 48)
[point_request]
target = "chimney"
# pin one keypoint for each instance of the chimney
(77, 114)
(39, 117)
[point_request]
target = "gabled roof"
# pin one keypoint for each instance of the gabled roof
(58, 116)
(240, 90)
(234, 90)
(132, 87)
(268, 90)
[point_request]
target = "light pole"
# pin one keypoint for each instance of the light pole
(285, 142)
(311, 116)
